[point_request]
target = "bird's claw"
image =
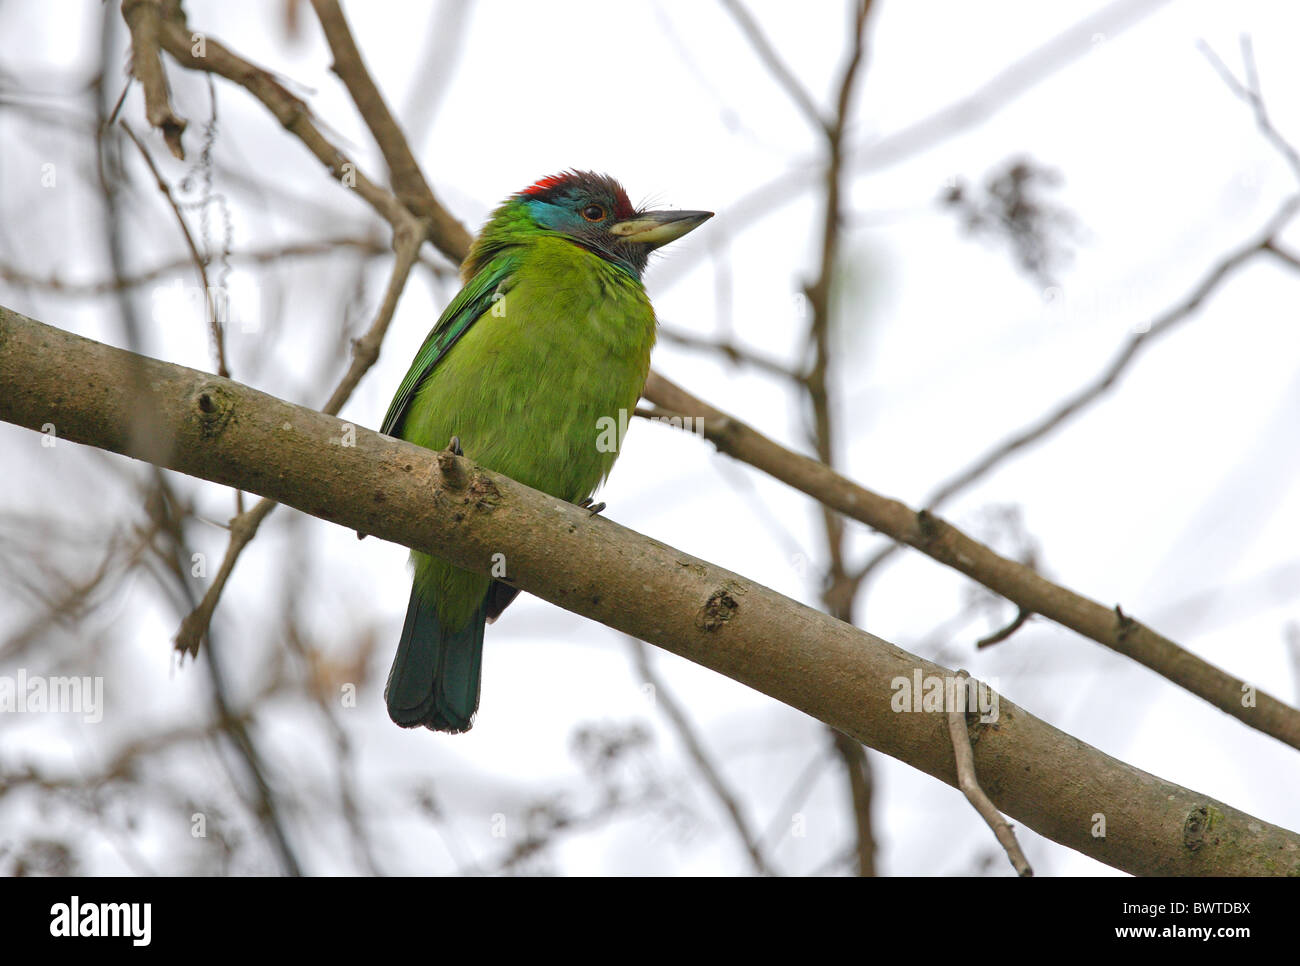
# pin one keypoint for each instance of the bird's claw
(593, 508)
(454, 447)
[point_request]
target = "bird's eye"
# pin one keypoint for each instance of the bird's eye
(593, 213)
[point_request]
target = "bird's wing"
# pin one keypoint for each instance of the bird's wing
(470, 303)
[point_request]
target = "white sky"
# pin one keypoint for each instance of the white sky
(1181, 483)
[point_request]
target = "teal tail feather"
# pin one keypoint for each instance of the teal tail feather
(434, 681)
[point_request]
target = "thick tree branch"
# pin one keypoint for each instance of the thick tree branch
(437, 503)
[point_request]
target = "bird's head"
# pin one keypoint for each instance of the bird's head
(593, 211)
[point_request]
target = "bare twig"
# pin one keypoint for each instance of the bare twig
(260, 255)
(244, 527)
(665, 701)
(235, 726)
(997, 637)
(1109, 377)
(430, 220)
(144, 19)
(200, 263)
(406, 243)
(409, 183)
(233, 435)
(1250, 93)
(1015, 581)
(290, 111)
(839, 589)
(970, 786)
(776, 66)
(738, 354)
(884, 151)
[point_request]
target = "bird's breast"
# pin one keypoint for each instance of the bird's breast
(542, 386)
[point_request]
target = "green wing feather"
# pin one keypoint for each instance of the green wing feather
(470, 304)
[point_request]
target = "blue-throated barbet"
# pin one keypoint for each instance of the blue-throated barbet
(547, 342)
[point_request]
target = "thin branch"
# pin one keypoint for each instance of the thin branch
(200, 263)
(409, 183)
(1283, 254)
(1005, 87)
(857, 765)
(291, 111)
(775, 65)
(244, 527)
(263, 255)
(839, 590)
(160, 504)
(1251, 93)
(737, 354)
(997, 637)
(970, 786)
(664, 700)
(940, 540)
(437, 61)
(144, 19)
(406, 243)
(1109, 377)
(884, 151)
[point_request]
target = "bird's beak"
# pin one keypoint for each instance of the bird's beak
(655, 228)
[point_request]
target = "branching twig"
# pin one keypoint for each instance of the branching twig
(943, 542)
(144, 19)
(997, 637)
(665, 701)
(236, 436)
(970, 786)
(731, 350)
(200, 264)
(290, 111)
(1108, 378)
(775, 65)
(409, 183)
(1250, 93)
(884, 151)
(261, 255)
(366, 351)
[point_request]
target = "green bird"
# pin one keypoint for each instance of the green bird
(547, 341)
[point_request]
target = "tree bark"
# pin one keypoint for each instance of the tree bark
(58, 383)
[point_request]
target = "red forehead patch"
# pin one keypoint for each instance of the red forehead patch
(544, 185)
(595, 183)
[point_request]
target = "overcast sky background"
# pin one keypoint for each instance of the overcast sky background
(1179, 488)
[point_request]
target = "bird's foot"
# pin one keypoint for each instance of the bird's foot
(454, 447)
(593, 508)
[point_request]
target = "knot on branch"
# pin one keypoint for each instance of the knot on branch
(451, 470)
(215, 407)
(717, 610)
(927, 528)
(484, 492)
(1200, 823)
(1124, 625)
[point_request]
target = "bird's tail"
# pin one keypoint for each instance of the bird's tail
(434, 681)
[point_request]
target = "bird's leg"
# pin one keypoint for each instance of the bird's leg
(593, 507)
